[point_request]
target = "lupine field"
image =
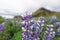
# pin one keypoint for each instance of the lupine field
(30, 28)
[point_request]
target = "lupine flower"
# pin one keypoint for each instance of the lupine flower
(58, 30)
(32, 29)
(1, 27)
(57, 24)
(53, 19)
(29, 16)
(17, 23)
(50, 25)
(49, 34)
(38, 30)
(23, 18)
(3, 24)
(26, 17)
(31, 22)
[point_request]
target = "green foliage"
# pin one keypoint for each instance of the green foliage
(10, 30)
(42, 33)
(17, 36)
(1, 19)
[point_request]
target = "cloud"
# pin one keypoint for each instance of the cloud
(20, 6)
(53, 4)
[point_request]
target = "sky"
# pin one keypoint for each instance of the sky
(12, 7)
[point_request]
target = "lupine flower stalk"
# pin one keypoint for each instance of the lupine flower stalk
(57, 24)
(24, 29)
(58, 30)
(25, 26)
(2, 27)
(36, 29)
(53, 19)
(32, 29)
(49, 34)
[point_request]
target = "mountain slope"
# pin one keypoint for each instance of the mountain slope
(45, 12)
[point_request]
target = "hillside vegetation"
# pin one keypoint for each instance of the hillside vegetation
(45, 12)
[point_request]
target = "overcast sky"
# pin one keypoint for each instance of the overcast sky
(20, 6)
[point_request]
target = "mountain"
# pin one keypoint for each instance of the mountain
(45, 12)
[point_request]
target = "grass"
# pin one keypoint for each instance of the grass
(42, 33)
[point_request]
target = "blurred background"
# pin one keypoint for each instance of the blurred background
(14, 12)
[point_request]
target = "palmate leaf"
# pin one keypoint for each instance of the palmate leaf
(17, 36)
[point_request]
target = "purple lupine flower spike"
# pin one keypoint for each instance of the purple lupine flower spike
(49, 34)
(57, 24)
(26, 17)
(29, 16)
(31, 29)
(1, 27)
